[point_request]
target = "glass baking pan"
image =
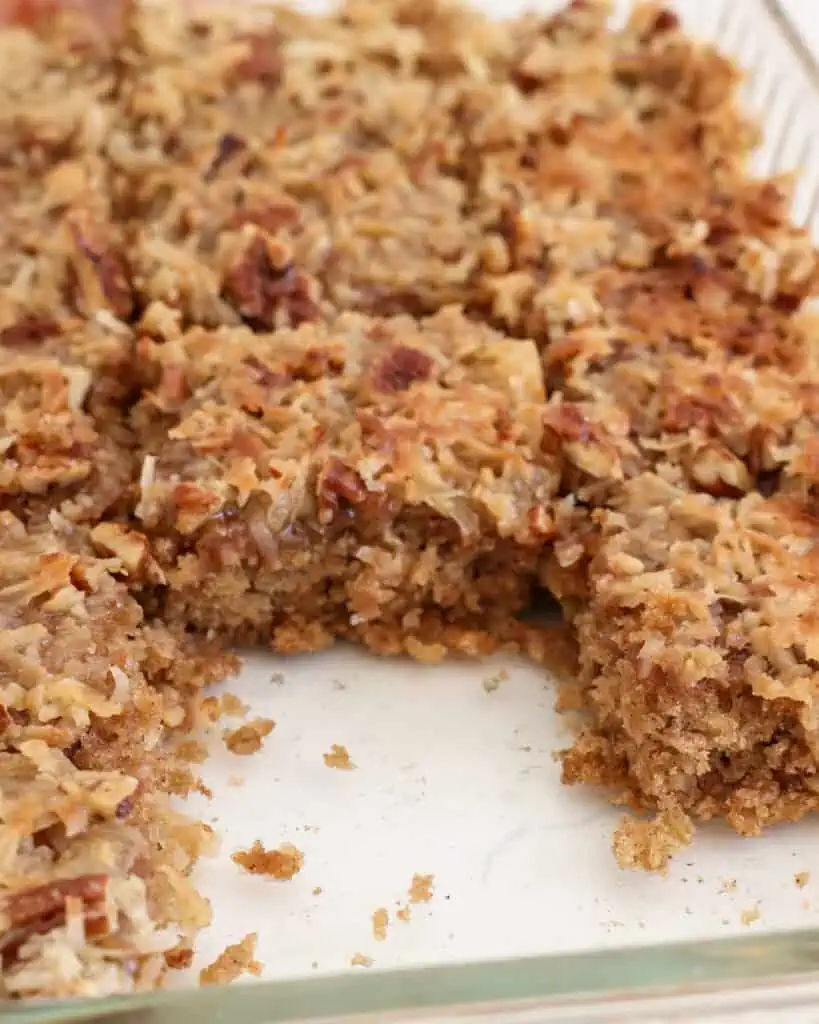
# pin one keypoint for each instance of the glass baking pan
(530, 919)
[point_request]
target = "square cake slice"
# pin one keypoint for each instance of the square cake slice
(376, 478)
(61, 251)
(252, 146)
(93, 861)
(698, 651)
(63, 435)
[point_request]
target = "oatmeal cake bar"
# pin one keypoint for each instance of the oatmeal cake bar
(281, 172)
(595, 148)
(698, 651)
(60, 251)
(416, 155)
(64, 440)
(704, 367)
(94, 864)
(380, 478)
(65, 294)
(687, 421)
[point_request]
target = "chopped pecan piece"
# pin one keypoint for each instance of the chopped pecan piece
(31, 330)
(189, 497)
(652, 20)
(103, 273)
(339, 481)
(401, 367)
(262, 374)
(228, 146)
(272, 217)
(179, 959)
(259, 289)
(568, 422)
(124, 808)
(686, 412)
(719, 472)
(263, 60)
(173, 389)
(39, 910)
(130, 547)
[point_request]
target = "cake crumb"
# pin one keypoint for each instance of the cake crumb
(339, 758)
(360, 960)
(801, 879)
(650, 844)
(282, 863)
(191, 750)
(380, 921)
(232, 962)
(750, 915)
(729, 885)
(247, 739)
(232, 706)
(317, 891)
(421, 888)
(492, 683)
(404, 913)
(179, 959)
(212, 708)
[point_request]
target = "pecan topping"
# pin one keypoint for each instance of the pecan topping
(568, 421)
(172, 390)
(39, 910)
(129, 546)
(262, 374)
(656, 21)
(103, 272)
(31, 330)
(106, 16)
(124, 808)
(189, 497)
(685, 412)
(272, 217)
(341, 482)
(717, 471)
(401, 367)
(259, 289)
(228, 146)
(179, 959)
(263, 62)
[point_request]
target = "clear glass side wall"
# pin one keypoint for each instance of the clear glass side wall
(736, 980)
